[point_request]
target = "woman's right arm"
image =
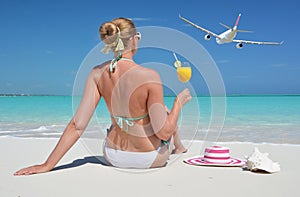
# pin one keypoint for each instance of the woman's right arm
(73, 130)
(164, 125)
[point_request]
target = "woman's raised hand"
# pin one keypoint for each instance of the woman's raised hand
(184, 97)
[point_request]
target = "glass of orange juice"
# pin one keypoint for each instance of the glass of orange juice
(184, 72)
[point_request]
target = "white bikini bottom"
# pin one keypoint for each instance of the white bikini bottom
(126, 159)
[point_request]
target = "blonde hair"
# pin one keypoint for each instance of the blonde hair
(109, 30)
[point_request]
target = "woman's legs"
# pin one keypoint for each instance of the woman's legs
(175, 146)
(179, 148)
(163, 154)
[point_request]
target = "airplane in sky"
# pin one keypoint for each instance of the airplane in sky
(229, 35)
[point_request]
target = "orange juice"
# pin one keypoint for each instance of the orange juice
(184, 74)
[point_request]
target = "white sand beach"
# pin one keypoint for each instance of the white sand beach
(81, 174)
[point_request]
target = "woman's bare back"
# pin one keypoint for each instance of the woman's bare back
(126, 93)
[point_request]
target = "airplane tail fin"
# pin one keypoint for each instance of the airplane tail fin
(236, 24)
(237, 20)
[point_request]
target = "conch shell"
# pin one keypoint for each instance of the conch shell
(260, 161)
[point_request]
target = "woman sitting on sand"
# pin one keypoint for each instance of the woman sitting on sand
(142, 135)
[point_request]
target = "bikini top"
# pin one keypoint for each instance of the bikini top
(127, 120)
(120, 119)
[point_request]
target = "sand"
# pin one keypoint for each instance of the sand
(80, 173)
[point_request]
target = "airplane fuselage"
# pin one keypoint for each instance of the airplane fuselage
(226, 37)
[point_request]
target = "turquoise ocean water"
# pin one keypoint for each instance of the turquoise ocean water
(258, 119)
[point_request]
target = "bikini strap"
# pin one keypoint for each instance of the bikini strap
(167, 143)
(113, 63)
(128, 121)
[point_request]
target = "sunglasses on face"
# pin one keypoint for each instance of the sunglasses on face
(138, 35)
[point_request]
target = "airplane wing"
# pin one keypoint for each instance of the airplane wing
(256, 42)
(198, 27)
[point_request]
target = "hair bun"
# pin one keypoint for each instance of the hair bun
(116, 34)
(107, 32)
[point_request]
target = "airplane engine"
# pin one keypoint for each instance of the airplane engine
(207, 37)
(239, 45)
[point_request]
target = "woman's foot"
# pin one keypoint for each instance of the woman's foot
(179, 150)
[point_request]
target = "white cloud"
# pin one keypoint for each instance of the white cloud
(140, 19)
(49, 52)
(241, 77)
(279, 65)
(39, 86)
(68, 85)
(73, 72)
(223, 61)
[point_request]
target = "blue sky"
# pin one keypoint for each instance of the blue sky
(43, 43)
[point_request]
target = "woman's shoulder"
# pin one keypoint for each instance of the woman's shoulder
(149, 73)
(98, 70)
(101, 66)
